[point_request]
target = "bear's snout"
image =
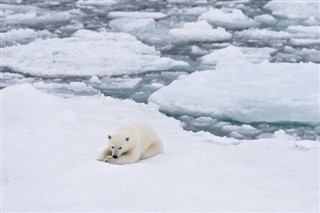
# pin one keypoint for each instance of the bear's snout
(114, 156)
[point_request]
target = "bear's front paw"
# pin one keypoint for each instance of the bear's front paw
(109, 159)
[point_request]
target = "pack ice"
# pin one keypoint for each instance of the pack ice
(246, 92)
(86, 53)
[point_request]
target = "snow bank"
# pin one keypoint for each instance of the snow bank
(86, 53)
(23, 36)
(294, 9)
(246, 92)
(199, 31)
(228, 18)
(122, 14)
(50, 145)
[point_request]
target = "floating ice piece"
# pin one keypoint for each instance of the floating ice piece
(304, 42)
(23, 36)
(246, 92)
(265, 19)
(96, 2)
(33, 16)
(228, 18)
(225, 54)
(87, 53)
(305, 31)
(263, 34)
(294, 9)
(133, 25)
(255, 55)
(199, 31)
(122, 14)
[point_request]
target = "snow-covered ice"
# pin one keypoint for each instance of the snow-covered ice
(133, 25)
(23, 36)
(294, 9)
(255, 55)
(50, 146)
(199, 32)
(246, 92)
(228, 18)
(87, 53)
(123, 14)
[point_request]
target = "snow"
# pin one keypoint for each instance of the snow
(122, 14)
(294, 9)
(246, 92)
(23, 36)
(228, 18)
(87, 53)
(51, 164)
(199, 31)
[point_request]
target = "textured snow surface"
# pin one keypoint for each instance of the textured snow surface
(86, 53)
(246, 92)
(50, 146)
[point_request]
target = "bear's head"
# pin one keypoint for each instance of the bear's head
(118, 145)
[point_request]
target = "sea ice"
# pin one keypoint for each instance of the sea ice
(123, 14)
(133, 25)
(50, 144)
(228, 18)
(246, 92)
(262, 34)
(199, 31)
(33, 16)
(86, 53)
(23, 36)
(294, 9)
(255, 55)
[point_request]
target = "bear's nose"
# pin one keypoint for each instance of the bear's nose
(114, 156)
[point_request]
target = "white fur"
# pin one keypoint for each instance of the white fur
(132, 143)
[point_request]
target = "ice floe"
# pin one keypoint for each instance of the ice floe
(228, 18)
(123, 14)
(58, 140)
(294, 9)
(246, 92)
(255, 55)
(86, 53)
(23, 36)
(199, 32)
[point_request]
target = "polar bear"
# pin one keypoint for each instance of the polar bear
(131, 143)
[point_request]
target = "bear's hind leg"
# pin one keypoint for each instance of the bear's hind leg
(155, 148)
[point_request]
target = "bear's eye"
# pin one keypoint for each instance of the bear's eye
(112, 147)
(120, 147)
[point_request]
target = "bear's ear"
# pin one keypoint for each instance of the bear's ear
(127, 139)
(109, 137)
